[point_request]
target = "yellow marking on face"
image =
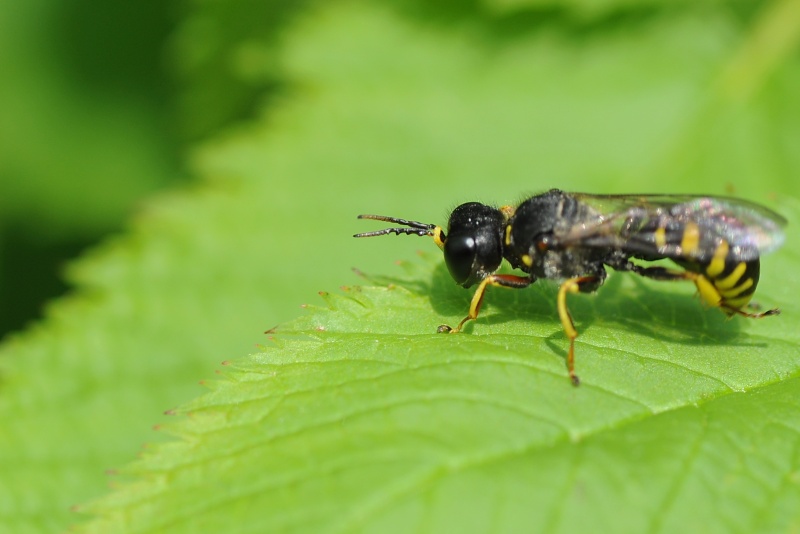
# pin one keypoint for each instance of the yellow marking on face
(661, 237)
(508, 235)
(437, 237)
(732, 279)
(735, 291)
(708, 293)
(527, 260)
(717, 264)
(691, 239)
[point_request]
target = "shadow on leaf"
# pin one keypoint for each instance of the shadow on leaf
(667, 312)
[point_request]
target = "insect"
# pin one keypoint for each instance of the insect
(572, 237)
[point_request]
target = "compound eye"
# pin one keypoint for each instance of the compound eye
(460, 252)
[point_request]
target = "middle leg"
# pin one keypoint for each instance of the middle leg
(583, 284)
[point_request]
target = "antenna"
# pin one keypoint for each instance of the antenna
(415, 227)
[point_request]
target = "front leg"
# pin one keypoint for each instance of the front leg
(503, 280)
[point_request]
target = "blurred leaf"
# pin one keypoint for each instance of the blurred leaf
(85, 134)
(397, 117)
(224, 57)
(74, 154)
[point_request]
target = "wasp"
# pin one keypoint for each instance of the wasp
(716, 243)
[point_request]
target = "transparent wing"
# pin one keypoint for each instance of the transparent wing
(657, 225)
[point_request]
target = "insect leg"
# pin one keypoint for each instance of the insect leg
(573, 285)
(708, 291)
(659, 273)
(705, 288)
(504, 280)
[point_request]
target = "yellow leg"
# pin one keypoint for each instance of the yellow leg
(720, 294)
(569, 286)
(573, 285)
(503, 280)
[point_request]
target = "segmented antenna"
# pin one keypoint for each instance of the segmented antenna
(415, 227)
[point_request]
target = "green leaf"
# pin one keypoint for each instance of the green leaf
(394, 116)
(358, 416)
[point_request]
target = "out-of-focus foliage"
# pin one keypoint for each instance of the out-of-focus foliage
(85, 132)
(83, 100)
(312, 114)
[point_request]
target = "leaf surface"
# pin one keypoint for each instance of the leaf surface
(359, 417)
(360, 399)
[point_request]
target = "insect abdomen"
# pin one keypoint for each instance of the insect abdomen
(736, 283)
(726, 281)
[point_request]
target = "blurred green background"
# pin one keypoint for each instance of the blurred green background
(102, 102)
(212, 157)
(88, 129)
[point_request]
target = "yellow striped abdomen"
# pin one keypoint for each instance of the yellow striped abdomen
(725, 281)
(737, 283)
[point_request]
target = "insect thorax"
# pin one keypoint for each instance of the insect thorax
(532, 238)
